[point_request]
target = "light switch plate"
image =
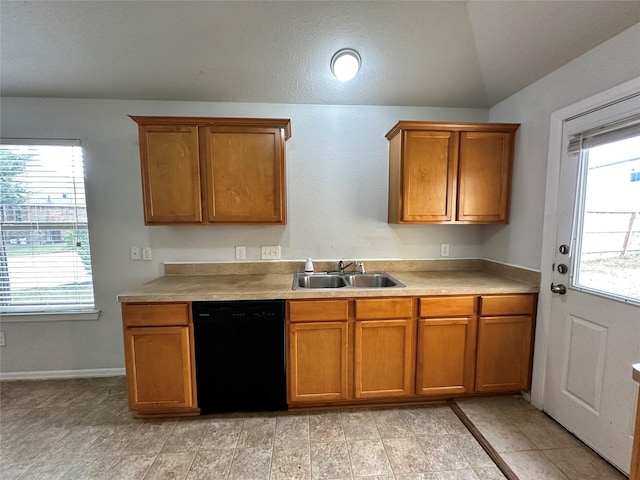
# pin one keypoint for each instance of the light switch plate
(134, 253)
(270, 252)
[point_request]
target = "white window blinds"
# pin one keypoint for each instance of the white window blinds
(45, 260)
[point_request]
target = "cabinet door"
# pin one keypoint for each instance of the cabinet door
(429, 175)
(504, 353)
(170, 174)
(244, 174)
(446, 356)
(383, 358)
(484, 176)
(318, 361)
(159, 368)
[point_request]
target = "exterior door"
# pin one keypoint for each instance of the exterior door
(594, 322)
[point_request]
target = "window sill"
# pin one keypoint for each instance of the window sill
(85, 315)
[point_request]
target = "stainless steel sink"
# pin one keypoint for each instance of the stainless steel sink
(345, 280)
(318, 281)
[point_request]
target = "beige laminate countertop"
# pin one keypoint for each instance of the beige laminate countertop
(185, 288)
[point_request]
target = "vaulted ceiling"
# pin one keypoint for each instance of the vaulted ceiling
(422, 53)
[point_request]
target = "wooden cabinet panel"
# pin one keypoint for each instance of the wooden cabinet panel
(507, 304)
(244, 174)
(318, 361)
(450, 172)
(504, 353)
(383, 354)
(170, 173)
(201, 170)
(159, 368)
(447, 306)
(384, 308)
(446, 356)
(153, 314)
(320, 310)
(430, 163)
(484, 176)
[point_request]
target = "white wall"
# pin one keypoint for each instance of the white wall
(612, 63)
(337, 164)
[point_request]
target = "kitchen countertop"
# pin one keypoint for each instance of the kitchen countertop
(259, 286)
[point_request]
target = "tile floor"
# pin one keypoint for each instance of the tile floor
(81, 429)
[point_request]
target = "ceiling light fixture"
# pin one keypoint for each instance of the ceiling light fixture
(345, 64)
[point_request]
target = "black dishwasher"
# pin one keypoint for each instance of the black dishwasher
(240, 355)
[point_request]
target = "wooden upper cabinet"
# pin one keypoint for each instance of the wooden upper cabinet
(450, 172)
(213, 170)
(170, 173)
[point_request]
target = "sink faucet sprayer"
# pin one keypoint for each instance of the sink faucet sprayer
(342, 266)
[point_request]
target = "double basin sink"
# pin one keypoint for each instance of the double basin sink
(302, 281)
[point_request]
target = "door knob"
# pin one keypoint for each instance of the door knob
(560, 288)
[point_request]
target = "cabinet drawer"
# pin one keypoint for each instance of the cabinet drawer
(318, 310)
(384, 308)
(155, 314)
(446, 306)
(507, 304)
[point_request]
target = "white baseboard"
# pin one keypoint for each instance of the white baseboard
(59, 374)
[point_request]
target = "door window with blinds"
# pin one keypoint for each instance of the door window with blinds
(45, 259)
(606, 234)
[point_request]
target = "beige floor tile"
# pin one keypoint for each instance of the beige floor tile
(417, 476)
(42, 471)
(253, 463)
(185, 437)
(131, 467)
(457, 475)
(211, 465)
(170, 466)
(503, 435)
(472, 451)
(368, 458)
(291, 462)
(325, 427)
(111, 442)
(358, 424)
(582, 464)
(257, 432)
(405, 455)
(442, 453)
(391, 423)
(450, 421)
(330, 460)
(148, 438)
(424, 421)
(97, 468)
(490, 473)
(543, 431)
(222, 433)
(532, 465)
(292, 429)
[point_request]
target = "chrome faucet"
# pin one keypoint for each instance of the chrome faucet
(342, 266)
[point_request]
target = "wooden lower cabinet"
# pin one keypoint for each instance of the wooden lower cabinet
(318, 350)
(446, 351)
(446, 356)
(360, 350)
(384, 347)
(505, 333)
(383, 358)
(159, 359)
(318, 361)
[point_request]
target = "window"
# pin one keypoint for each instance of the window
(45, 260)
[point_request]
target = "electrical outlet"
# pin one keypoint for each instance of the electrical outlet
(134, 253)
(270, 252)
(3, 341)
(444, 249)
(146, 253)
(241, 252)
